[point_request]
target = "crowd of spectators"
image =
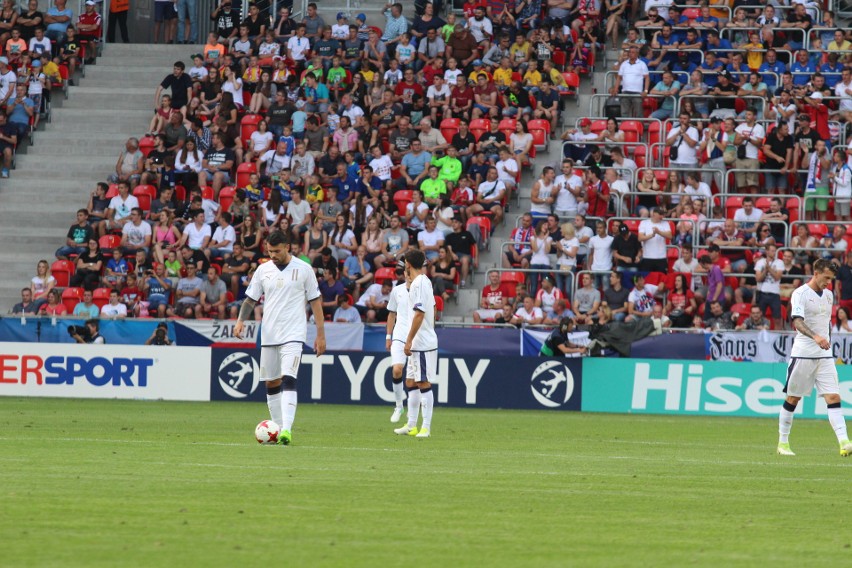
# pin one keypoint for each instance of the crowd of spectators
(357, 141)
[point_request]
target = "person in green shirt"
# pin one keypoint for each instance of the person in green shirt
(451, 166)
(336, 77)
(432, 187)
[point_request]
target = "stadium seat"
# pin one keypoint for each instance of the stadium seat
(449, 128)
(792, 206)
(539, 132)
(401, 199)
(248, 125)
(513, 277)
(226, 197)
(507, 127)
(180, 192)
(743, 310)
(573, 82)
(539, 123)
(559, 58)
(384, 273)
(598, 126)
(484, 224)
(479, 127)
(640, 154)
(672, 254)
(145, 194)
(207, 192)
(100, 297)
(763, 203)
(691, 13)
(109, 242)
(244, 172)
(146, 144)
(112, 191)
(71, 297)
(439, 307)
(818, 230)
(62, 270)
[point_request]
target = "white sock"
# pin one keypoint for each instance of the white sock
(835, 417)
(428, 404)
(288, 409)
(785, 424)
(413, 407)
(273, 402)
(399, 393)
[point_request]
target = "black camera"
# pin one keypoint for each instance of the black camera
(80, 330)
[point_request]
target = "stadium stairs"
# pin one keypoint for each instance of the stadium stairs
(77, 149)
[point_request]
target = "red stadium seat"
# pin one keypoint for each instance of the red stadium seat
(146, 144)
(112, 191)
(513, 277)
(439, 307)
(207, 192)
(484, 224)
(818, 230)
(145, 194)
(244, 172)
(731, 206)
(507, 127)
(449, 128)
(792, 206)
(248, 125)
(559, 58)
(384, 273)
(763, 203)
(109, 242)
(226, 197)
(691, 13)
(100, 297)
(62, 270)
(598, 126)
(401, 199)
(640, 154)
(743, 310)
(539, 123)
(71, 297)
(479, 127)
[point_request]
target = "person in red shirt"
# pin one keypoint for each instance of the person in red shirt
(461, 100)
(406, 89)
(493, 299)
(89, 24)
(485, 97)
(597, 193)
(436, 68)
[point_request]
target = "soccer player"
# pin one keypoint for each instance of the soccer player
(399, 322)
(811, 361)
(421, 345)
(287, 283)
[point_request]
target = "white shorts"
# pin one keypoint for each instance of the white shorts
(803, 374)
(398, 356)
(422, 366)
(280, 360)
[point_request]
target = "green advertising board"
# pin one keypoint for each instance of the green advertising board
(707, 388)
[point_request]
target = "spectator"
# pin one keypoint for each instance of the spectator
(540, 246)
(683, 141)
(634, 80)
(493, 299)
(681, 306)
(26, 305)
(751, 135)
(114, 309)
(817, 182)
(187, 294)
(528, 313)
(345, 312)
(668, 88)
(357, 271)
(58, 19)
(768, 271)
(179, 82)
(196, 235)
(778, 149)
(460, 243)
(443, 273)
(118, 212)
(755, 321)
(569, 188)
(520, 252)
(331, 289)
(8, 142)
(717, 319)
(88, 266)
(576, 150)
(86, 307)
(731, 236)
(373, 303)
(747, 217)
(135, 235)
(157, 287)
(213, 296)
(640, 302)
(54, 306)
(626, 249)
(430, 240)
(76, 241)
(586, 301)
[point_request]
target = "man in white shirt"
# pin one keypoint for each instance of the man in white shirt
(222, 242)
(430, 239)
(135, 235)
(747, 217)
(373, 303)
(687, 264)
(196, 235)
(298, 45)
(568, 188)
(750, 134)
(694, 186)
(489, 197)
(421, 345)
(507, 168)
(768, 271)
(118, 211)
(634, 79)
(274, 160)
(114, 309)
(480, 27)
(843, 89)
(287, 284)
(618, 190)
(299, 212)
(654, 233)
(685, 138)
(600, 255)
(640, 301)
(811, 359)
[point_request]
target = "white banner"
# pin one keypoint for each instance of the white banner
(219, 333)
(104, 371)
(339, 336)
(766, 346)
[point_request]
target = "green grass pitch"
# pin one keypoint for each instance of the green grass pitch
(122, 483)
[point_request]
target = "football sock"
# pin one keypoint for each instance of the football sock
(398, 391)
(428, 404)
(835, 417)
(273, 402)
(288, 409)
(413, 407)
(785, 422)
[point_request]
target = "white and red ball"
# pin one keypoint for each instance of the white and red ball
(267, 432)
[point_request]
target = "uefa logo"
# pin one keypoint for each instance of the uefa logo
(552, 384)
(239, 375)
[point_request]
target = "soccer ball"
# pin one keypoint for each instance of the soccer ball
(267, 432)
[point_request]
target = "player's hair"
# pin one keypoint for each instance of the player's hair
(415, 258)
(276, 238)
(824, 264)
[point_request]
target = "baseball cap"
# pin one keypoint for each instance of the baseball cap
(361, 17)
(300, 104)
(623, 229)
(400, 266)
(91, 3)
(725, 73)
(816, 95)
(801, 116)
(36, 63)
(342, 16)
(477, 62)
(585, 122)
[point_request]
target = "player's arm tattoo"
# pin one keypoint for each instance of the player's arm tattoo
(800, 326)
(246, 309)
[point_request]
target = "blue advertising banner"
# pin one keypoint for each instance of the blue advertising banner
(55, 330)
(365, 378)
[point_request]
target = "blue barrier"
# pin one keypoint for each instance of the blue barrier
(365, 378)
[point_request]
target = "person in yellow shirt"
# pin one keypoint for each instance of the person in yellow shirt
(478, 68)
(51, 71)
(754, 51)
(503, 74)
(532, 78)
(520, 52)
(840, 43)
(548, 70)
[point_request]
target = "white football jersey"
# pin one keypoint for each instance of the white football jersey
(286, 291)
(398, 304)
(422, 298)
(815, 309)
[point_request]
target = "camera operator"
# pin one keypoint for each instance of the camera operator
(88, 333)
(160, 335)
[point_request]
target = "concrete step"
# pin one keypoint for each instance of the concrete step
(36, 187)
(46, 147)
(105, 99)
(34, 167)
